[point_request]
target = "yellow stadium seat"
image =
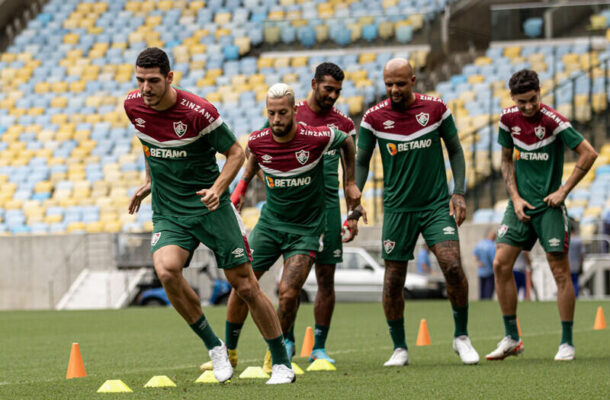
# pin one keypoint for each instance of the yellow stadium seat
(53, 219)
(597, 21)
(512, 51)
(74, 227)
(386, 30)
(355, 104)
(94, 227)
(112, 226)
(271, 34)
(71, 38)
(322, 32)
(222, 18)
(244, 44)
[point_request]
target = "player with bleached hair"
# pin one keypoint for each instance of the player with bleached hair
(293, 219)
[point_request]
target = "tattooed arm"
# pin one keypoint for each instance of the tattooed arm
(508, 174)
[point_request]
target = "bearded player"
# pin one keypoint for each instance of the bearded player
(409, 128)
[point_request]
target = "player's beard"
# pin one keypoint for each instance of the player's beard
(158, 98)
(282, 132)
(398, 105)
(325, 103)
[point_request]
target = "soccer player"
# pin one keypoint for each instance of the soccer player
(319, 110)
(536, 211)
(409, 127)
(180, 134)
(293, 220)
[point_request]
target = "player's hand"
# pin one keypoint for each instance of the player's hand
(457, 208)
(210, 198)
(352, 196)
(138, 196)
(349, 230)
(556, 198)
(520, 204)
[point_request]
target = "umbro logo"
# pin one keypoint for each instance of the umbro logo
(388, 124)
(554, 242)
(337, 253)
(332, 126)
(140, 123)
(238, 252)
(515, 130)
(266, 158)
(448, 230)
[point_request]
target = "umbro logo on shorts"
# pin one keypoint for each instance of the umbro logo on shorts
(554, 242)
(448, 230)
(238, 252)
(337, 253)
(155, 238)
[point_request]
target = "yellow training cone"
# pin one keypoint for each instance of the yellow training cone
(253, 372)
(321, 365)
(297, 370)
(114, 386)
(160, 381)
(207, 377)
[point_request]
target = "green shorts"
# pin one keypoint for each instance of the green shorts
(550, 226)
(269, 244)
(333, 246)
(229, 244)
(401, 230)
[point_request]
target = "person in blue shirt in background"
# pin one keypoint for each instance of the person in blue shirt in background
(484, 252)
(576, 254)
(423, 260)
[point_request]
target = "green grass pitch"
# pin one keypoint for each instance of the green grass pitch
(135, 344)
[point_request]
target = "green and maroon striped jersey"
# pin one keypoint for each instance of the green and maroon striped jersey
(538, 153)
(180, 145)
(414, 176)
(294, 177)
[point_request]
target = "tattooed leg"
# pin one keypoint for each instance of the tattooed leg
(393, 289)
(296, 269)
(448, 256)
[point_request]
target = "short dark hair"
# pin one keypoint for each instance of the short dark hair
(154, 57)
(328, 68)
(523, 81)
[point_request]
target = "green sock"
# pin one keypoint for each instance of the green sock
(290, 334)
(510, 326)
(460, 319)
(566, 332)
(279, 355)
(232, 331)
(205, 332)
(321, 332)
(397, 332)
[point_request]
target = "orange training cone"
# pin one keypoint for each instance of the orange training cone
(600, 321)
(76, 368)
(519, 328)
(423, 336)
(307, 343)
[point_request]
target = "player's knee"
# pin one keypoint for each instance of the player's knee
(247, 290)
(167, 273)
(501, 269)
(289, 295)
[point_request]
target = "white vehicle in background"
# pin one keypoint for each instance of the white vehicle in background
(359, 278)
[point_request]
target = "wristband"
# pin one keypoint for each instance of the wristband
(239, 192)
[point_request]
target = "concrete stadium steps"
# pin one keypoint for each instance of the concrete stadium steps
(102, 289)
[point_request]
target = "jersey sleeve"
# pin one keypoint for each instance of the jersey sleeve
(571, 137)
(366, 138)
(337, 139)
(221, 138)
(447, 128)
(504, 137)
